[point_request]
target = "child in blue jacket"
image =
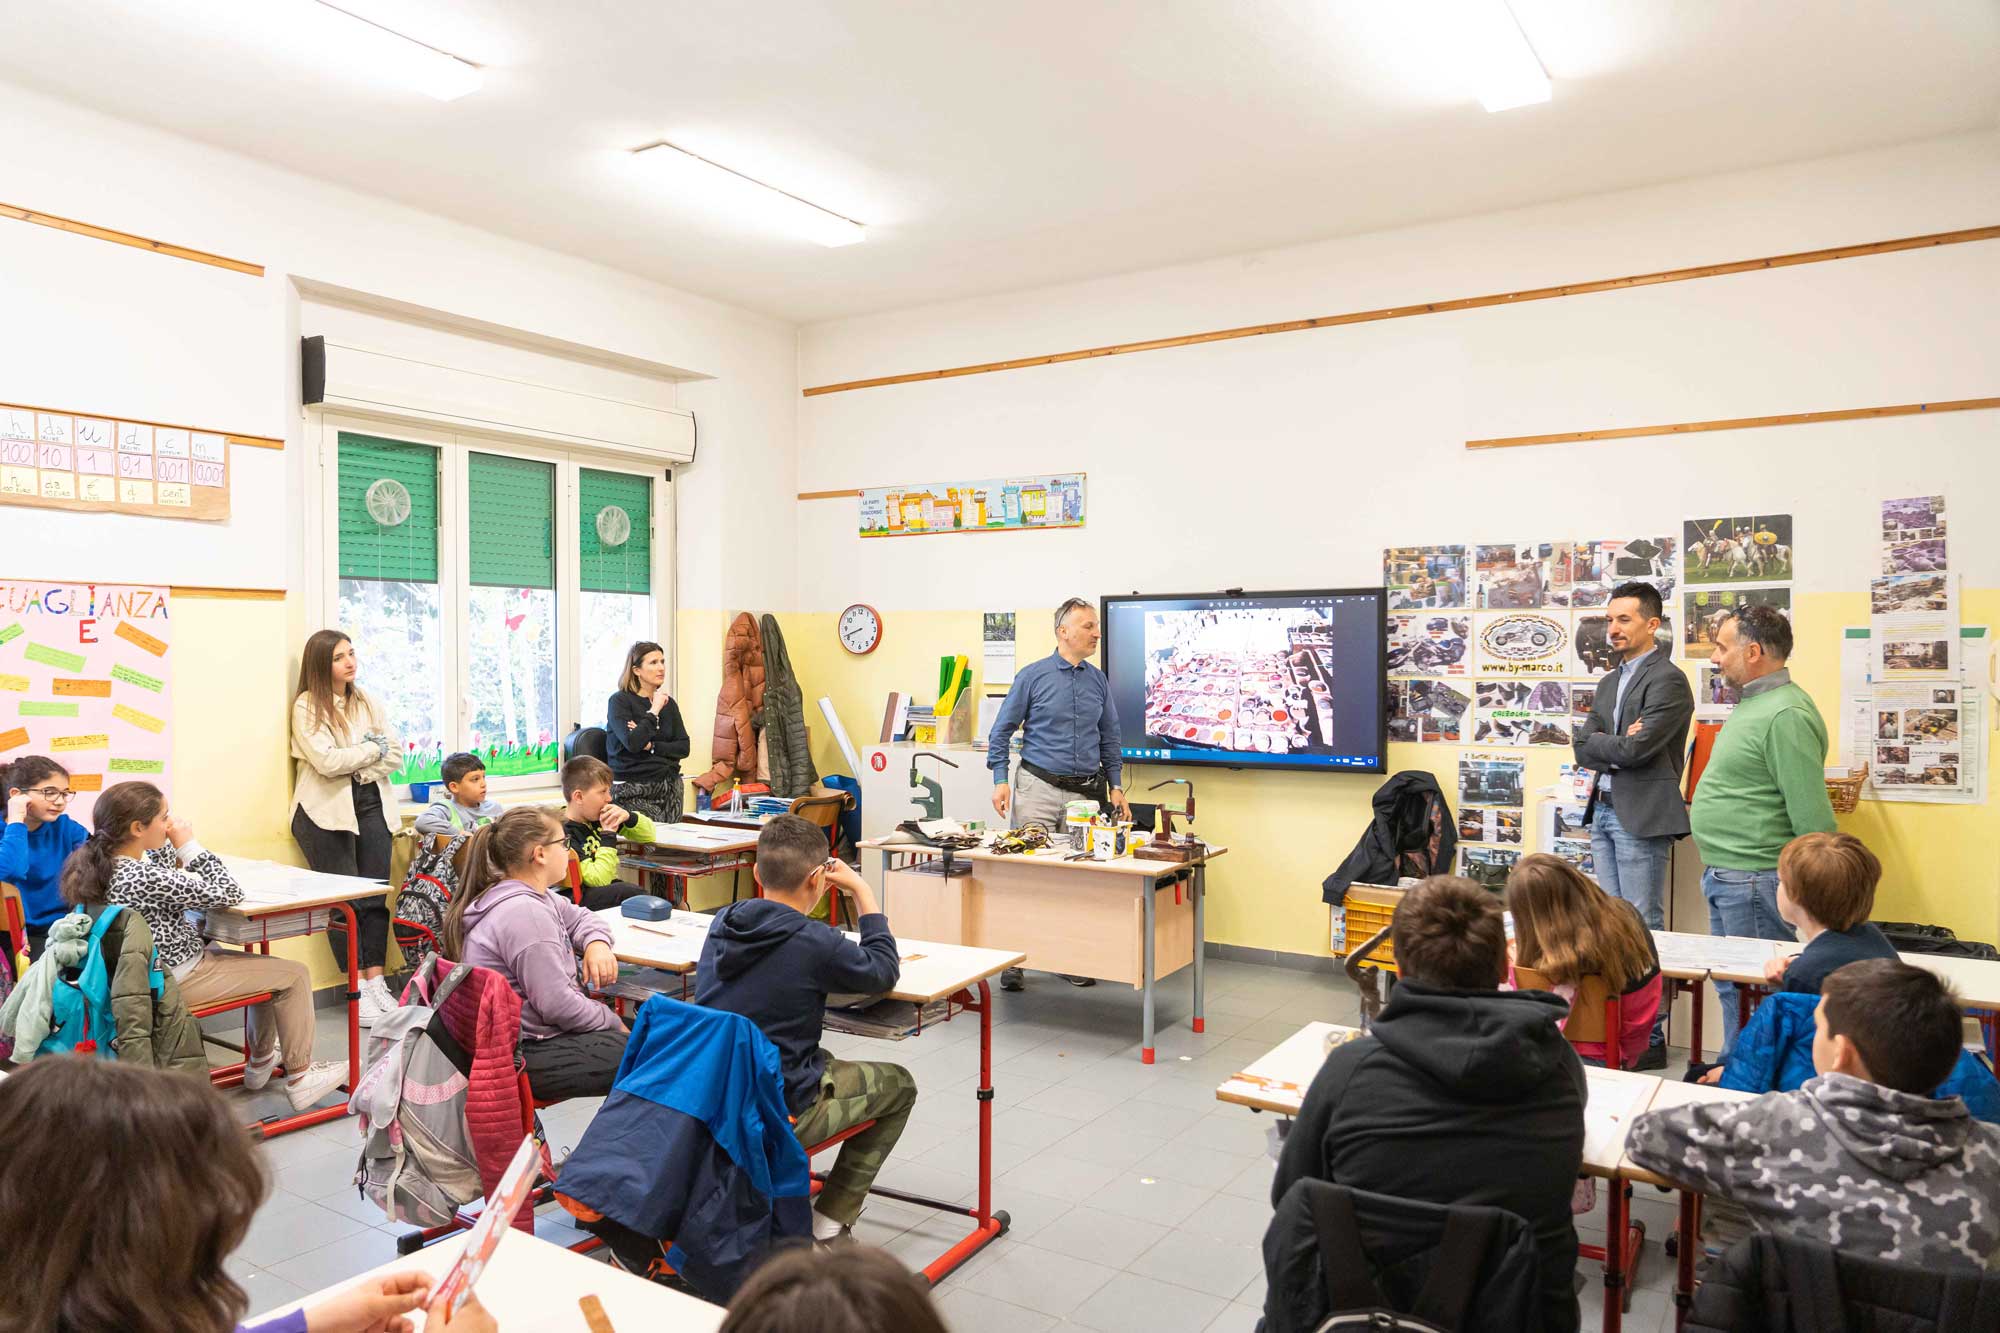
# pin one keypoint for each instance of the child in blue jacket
(37, 839)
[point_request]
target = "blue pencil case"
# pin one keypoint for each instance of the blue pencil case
(646, 907)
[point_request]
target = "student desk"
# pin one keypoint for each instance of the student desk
(532, 1284)
(1099, 919)
(953, 972)
(1688, 959)
(284, 902)
(1977, 981)
(1671, 1093)
(1277, 1082)
(684, 851)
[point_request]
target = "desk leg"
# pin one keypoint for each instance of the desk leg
(305, 1119)
(1200, 944)
(1148, 889)
(1690, 1241)
(988, 1225)
(1614, 1256)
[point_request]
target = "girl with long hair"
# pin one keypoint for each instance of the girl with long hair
(644, 737)
(141, 857)
(1567, 928)
(504, 917)
(37, 839)
(342, 803)
(122, 1193)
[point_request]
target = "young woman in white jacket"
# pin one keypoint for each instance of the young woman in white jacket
(342, 801)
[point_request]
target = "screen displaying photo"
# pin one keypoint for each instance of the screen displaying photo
(1280, 680)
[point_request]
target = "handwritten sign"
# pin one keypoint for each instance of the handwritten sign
(55, 657)
(131, 677)
(136, 766)
(140, 639)
(66, 460)
(95, 689)
(95, 741)
(41, 708)
(144, 721)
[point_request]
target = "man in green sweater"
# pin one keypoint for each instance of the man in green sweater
(1765, 784)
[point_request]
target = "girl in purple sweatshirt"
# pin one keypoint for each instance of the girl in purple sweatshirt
(122, 1193)
(505, 917)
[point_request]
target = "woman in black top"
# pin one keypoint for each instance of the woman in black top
(644, 738)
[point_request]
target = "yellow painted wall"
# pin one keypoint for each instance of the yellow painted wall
(1288, 830)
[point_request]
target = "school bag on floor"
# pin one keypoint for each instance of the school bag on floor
(417, 1159)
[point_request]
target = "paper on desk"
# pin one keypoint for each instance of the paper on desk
(1607, 1117)
(1684, 952)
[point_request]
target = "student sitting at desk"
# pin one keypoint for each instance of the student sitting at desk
(1566, 928)
(1861, 1157)
(767, 959)
(127, 861)
(37, 840)
(504, 917)
(122, 1194)
(1462, 1093)
(592, 824)
(464, 806)
(1826, 892)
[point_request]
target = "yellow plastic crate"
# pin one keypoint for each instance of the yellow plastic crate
(1369, 909)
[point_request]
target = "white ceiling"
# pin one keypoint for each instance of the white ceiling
(992, 147)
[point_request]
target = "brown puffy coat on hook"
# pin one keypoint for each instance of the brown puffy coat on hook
(741, 697)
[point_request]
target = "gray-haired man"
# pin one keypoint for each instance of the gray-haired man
(1062, 706)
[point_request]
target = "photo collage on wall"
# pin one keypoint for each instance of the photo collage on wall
(1927, 730)
(1489, 643)
(1491, 816)
(1730, 562)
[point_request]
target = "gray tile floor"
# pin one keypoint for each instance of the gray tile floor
(1137, 1200)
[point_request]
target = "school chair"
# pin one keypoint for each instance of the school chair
(1791, 1285)
(585, 741)
(1594, 1017)
(825, 812)
(17, 930)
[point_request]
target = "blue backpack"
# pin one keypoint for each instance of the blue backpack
(80, 1003)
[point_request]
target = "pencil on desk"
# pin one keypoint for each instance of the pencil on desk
(659, 930)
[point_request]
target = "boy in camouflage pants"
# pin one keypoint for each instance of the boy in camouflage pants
(767, 959)
(1861, 1157)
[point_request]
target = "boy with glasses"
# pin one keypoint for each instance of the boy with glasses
(37, 839)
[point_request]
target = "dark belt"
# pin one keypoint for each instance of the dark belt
(1091, 784)
(1603, 795)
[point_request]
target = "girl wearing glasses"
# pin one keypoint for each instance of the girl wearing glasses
(36, 841)
(504, 917)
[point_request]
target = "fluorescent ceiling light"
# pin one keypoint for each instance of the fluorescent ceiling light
(345, 36)
(751, 200)
(1504, 69)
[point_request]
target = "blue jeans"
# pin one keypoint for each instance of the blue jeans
(1741, 902)
(1635, 869)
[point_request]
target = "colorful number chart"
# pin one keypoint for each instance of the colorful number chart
(86, 672)
(68, 460)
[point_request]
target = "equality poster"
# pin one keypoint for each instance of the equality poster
(86, 678)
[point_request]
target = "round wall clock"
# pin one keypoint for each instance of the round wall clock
(859, 629)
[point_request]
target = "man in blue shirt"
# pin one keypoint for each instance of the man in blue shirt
(1069, 738)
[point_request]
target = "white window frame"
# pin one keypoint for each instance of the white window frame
(574, 694)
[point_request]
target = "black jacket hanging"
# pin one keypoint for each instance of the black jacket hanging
(1412, 833)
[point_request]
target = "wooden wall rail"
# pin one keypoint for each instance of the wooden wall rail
(1741, 423)
(96, 232)
(1436, 307)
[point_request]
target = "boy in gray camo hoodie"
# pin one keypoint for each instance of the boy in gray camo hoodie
(1859, 1157)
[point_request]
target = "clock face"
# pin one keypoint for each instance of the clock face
(860, 629)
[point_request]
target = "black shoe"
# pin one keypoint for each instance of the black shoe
(1079, 982)
(1654, 1057)
(1010, 979)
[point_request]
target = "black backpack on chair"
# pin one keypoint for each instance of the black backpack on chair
(1337, 1259)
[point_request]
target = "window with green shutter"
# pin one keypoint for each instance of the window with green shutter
(615, 531)
(512, 521)
(388, 509)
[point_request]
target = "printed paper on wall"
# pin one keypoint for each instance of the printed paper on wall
(1430, 645)
(1426, 577)
(1745, 548)
(1707, 608)
(1522, 643)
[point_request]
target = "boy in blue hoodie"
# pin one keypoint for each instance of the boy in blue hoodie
(767, 959)
(37, 840)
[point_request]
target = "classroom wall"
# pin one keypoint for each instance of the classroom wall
(95, 326)
(1292, 460)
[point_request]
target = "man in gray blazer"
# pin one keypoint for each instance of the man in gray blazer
(1635, 740)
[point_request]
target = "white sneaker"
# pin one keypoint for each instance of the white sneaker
(320, 1078)
(376, 1002)
(257, 1073)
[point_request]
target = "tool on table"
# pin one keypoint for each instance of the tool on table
(932, 797)
(1165, 844)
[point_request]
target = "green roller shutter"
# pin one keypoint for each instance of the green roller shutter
(375, 545)
(513, 521)
(608, 504)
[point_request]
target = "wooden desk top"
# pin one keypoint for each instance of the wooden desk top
(1278, 1080)
(533, 1284)
(270, 888)
(1053, 856)
(930, 971)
